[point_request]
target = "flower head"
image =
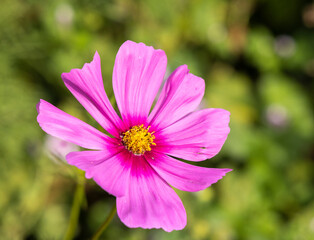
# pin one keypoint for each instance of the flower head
(137, 164)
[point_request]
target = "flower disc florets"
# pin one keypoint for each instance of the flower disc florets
(138, 139)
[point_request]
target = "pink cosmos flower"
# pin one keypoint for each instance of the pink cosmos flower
(138, 164)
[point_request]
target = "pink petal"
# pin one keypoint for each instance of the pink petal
(110, 168)
(150, 202)
(181, 95)
(137, 75)
(87, 86)
(184, 176)
(196, 137)
(62, 125)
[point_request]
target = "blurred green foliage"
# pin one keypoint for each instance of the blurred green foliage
(257, 58)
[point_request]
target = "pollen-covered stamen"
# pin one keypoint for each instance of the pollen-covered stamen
(138, 139)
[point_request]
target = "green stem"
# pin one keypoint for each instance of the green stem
(76, 207)
(105, 223)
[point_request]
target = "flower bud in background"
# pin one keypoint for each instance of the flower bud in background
(64, 15)
(56, 148)
(277, 116)
(284, 46)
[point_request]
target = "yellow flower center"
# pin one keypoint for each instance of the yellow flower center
(138, 139)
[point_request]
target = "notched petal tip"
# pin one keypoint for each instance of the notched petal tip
(38, 106)
(131, 47)
(225, 113)
(41, 107)
(68, 77)
(184, 67)
(137, 75)
(224, 172)
(130, 43)
(96, 61)
(96, 56)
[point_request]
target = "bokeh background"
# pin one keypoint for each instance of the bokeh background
(257, 58)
